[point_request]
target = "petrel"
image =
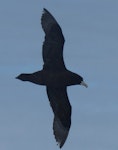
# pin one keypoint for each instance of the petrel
(55, 76)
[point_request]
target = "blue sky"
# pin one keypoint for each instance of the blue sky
(90, 28)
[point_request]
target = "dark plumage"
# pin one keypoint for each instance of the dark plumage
(55, 77)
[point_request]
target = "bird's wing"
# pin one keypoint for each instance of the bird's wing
(53, 44)
(62, 113)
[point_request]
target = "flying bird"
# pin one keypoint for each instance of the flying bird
(55, 76)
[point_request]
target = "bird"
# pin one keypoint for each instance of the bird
(55, 76)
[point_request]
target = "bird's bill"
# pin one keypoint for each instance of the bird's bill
(84, 84)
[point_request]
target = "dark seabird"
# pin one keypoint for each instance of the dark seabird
(55, 76)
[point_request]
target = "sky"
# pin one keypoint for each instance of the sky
(90, 28)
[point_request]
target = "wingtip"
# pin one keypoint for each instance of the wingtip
(45, 10)
(60, 132)
(59, 145)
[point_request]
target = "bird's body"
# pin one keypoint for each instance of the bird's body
(55, 77)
